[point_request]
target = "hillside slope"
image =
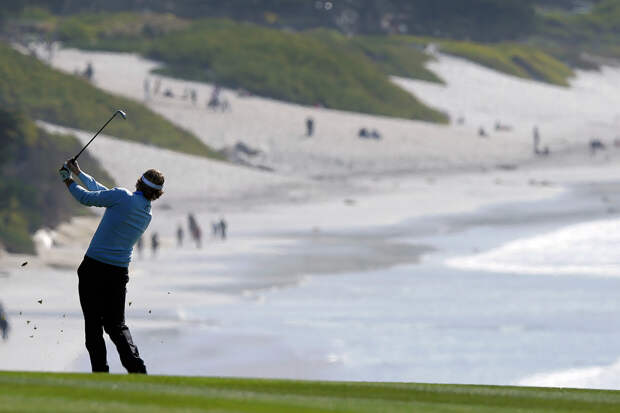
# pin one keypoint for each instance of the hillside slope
(43, 93)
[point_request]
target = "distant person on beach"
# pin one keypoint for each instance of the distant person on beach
(89, 72)
(214, 99)
(4, 324)
(365, 133)
(198, 237)
(596, 145)
(482, 133)
(309, 126)
(223, 226)
(215, 229)
(179, 236)
(154, 243)
(194, 96)
(537, 150)
(194, 229)
(103, 274)
(139, 246)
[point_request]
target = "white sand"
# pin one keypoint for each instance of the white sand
(440, 170)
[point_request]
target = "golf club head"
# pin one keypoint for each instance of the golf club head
(123, 114)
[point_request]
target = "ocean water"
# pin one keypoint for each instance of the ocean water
(586, 258)
(417, 323)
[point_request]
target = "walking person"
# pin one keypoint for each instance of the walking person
(103, 274)
(139, 246)
(180, 236)
(198, 236)
(154, 243)
(309, 126)
(536, 137)
(223, 226)
(194, 229)
(4, 324)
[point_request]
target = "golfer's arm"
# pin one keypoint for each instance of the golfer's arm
(105, 198)
(90, 183)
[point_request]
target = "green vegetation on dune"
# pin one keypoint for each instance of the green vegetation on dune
(600, 24)
(32, 194)
(47, 392)
(515, 59)
(314, 67)
(572, 36)
(119, 31)
(43, 93)
(310, 68)
(397, 56)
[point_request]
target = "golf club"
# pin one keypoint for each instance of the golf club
(118, 112)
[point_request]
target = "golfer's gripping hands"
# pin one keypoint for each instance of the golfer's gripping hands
(64, 172)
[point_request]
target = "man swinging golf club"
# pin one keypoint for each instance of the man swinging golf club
(103, 274)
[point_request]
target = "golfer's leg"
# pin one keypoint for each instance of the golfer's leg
(96, 345)
(114, 324)
(93, 322)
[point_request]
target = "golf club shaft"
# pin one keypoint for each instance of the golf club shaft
(93, 138)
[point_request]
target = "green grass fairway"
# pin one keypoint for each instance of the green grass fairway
(45, 392)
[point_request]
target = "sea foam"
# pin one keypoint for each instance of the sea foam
(599, 377)
(591, 248)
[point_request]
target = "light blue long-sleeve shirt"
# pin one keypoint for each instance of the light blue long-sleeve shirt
(126, 217)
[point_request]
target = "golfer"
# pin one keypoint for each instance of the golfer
(103, 274)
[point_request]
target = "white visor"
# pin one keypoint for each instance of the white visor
(151, 184)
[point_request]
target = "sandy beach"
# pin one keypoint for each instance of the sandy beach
(333, 204)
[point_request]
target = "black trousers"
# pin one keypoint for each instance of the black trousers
(102, 289)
